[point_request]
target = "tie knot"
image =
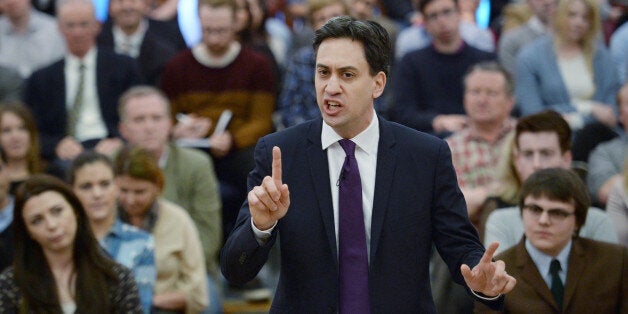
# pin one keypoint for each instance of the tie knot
(555, 267)
(348, 146)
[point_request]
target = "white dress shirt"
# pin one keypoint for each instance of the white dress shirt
(366, 155)
(90, 124)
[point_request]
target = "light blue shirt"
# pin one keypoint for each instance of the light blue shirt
(6, 215)
(543, 261)
(134, 249)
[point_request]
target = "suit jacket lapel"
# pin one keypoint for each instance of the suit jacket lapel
(386, 156)
(319, 171)
(577, 263)
(530, 274)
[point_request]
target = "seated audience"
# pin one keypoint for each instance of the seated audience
(181, 278)
(74, 99)
(29, 39)
(512, 41)
(19, 144)
(477, 148)
(575, 75)
(416, 36)
(59, 266)
(129, 32)
(216, 76)
(541, 141)
(606, 161)
(558, 271)
(617, 207)
(92, 180)
(427, 89)
(190, 181)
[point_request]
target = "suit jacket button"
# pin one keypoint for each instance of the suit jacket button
(242, 258)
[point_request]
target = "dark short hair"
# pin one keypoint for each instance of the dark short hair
(424, 3)
(492, 66)
(86, 158)
(561, 185)
(545, 121)
(372, 36)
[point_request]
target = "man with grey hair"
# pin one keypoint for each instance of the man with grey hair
(74, 99)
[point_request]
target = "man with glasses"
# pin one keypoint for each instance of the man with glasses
(428, 90)
(541, 140)
(556, 270)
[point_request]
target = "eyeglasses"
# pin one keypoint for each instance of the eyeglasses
(554, 214)
(444, 13)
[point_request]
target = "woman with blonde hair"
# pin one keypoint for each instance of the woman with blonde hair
(569, 71)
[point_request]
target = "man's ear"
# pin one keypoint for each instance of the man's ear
(379, 83)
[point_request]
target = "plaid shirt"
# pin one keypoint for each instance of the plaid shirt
(476, 160)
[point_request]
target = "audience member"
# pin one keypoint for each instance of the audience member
(190, 181)
(297, 100)
(19, 144)
(303, 36)
(58, 264)
(512, 41)
(74, 99)
(10, 84)
(6, 222)
(619, 51)
(477, 148)
(416, 36)
(325, 260)
(181, 278)
(92, 180)
(30, 39)
(128, 31)
(251, 32)
(556, 270)
(617, 207)
(365, 10)
(541, 141)
(606, 161)
(569, 71)
(214, 77)
(428, 88)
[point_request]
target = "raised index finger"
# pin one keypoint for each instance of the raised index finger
(276, 167)
(490, 251)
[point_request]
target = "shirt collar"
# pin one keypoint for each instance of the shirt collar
(203, 56)
(89, 60)
(543, 260)
(507, 127)
(364, 140)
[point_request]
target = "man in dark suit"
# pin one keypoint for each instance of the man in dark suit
(74, 100)
(128, 31)
(557, 271)
(410, 198)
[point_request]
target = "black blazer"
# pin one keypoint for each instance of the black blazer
(155, 51)
(416, 203)
(44, 93)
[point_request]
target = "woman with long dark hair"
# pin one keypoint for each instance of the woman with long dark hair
(58, 265)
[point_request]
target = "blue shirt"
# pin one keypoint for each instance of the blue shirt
(134, 249)
(6, 215)
(543, 261)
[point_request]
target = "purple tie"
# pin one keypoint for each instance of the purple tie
(354, 270)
